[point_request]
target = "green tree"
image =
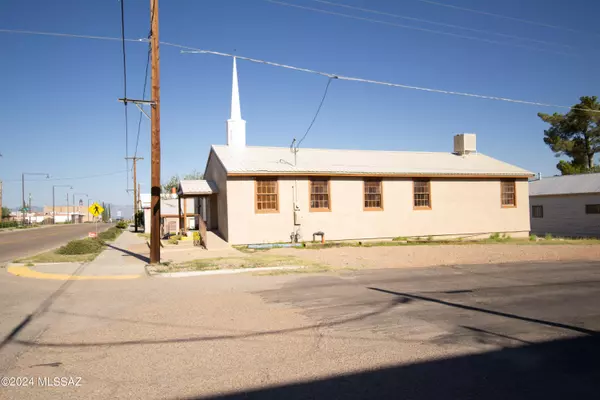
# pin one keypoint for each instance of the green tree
(576, 135)
(194, 175)
(173, 182)
(104, 213)
(5, 212)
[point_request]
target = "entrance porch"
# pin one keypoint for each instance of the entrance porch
(203, 195)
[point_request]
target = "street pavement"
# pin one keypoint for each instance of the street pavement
(518, 331)
(27, 242)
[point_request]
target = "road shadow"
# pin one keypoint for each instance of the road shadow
(553, 324)
(560, 369)
(387, 306)
(130, 253)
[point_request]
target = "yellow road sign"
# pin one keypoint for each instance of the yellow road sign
(96, 209)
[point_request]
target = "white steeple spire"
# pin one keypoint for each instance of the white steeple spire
(236, 126)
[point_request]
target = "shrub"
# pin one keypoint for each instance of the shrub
(532, 237)
(495, 236)
(83, 246)
(110, 234)
(9, 224)
(548, 236)
(174, 239)
(121, 225)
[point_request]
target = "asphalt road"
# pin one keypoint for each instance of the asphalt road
(519, 331)
(24, 242)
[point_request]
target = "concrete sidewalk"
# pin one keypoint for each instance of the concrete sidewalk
(118, 258)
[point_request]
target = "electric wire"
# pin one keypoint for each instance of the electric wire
(316, 114)
(367, 10)
(525, 21)
(125, 90)
(137, 140)
(190, 49)
(70, 178)
(458, 35)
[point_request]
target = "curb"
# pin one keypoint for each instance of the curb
(219, 271)
(25, 272)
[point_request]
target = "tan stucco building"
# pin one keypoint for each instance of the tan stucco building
(275, 194)
(566, 206)
(261, 199)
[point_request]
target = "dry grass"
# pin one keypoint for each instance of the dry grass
(53, 257)
(249, 261)
(432, 242)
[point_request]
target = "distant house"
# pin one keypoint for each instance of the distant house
(566, 205)
(169, 213)
(273, 194)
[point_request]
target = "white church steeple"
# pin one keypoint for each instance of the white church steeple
(236, 126)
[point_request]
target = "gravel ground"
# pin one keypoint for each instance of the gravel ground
(426, 256)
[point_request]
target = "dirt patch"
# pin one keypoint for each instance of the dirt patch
(244, 261)
(424, 256)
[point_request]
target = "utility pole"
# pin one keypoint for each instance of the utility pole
(155, 141)
(135, 189)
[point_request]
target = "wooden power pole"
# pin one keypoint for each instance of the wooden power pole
(135, 189)
(155, 141)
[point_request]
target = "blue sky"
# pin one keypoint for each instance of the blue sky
(60, 115)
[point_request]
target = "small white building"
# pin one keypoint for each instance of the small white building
(566, 205)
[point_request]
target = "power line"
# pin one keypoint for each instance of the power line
(442, 24)
(376, 21)
(525, 21)
(70, 178)
(349, 78)
(125, 90)
(318, 111)
(189, 49)
(137, 140)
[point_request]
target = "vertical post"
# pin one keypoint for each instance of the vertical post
(179, 214)
(135, 221)
(185, 214)
(155, 142)
(88, 210)
(67, 208)
(53, 208)
(23, 198)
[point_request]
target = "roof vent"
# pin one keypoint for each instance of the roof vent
(465, 143)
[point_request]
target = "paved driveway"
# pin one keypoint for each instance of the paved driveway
(494, 331)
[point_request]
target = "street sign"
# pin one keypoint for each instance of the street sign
(92, 234)
(96, 209)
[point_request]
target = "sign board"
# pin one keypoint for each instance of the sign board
(96, 209)
(92, 234)
(118, 214)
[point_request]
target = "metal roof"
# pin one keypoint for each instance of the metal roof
(197, 187)
(280, 160)
(567, 184)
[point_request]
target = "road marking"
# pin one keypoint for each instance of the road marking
(26, 272)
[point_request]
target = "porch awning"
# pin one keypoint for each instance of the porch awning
(197, 188)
